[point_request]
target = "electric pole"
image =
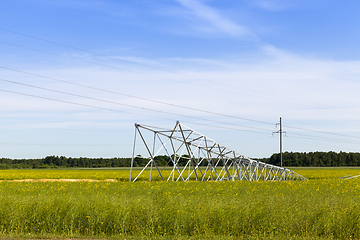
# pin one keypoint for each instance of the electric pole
(281, 133)
(280, 143)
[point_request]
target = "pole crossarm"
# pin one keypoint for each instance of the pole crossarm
(193, 156)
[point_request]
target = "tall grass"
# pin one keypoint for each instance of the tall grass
(326, 207)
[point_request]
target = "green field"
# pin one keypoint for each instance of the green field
(323, 207)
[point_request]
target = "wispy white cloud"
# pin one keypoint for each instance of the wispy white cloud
(274, 5)
(209, 19)
(306, 91)
(275, 76)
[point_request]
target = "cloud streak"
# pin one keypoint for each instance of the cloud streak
(274, 5)
(307, 92)
(209, 18)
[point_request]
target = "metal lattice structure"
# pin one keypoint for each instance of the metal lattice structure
(193, 156)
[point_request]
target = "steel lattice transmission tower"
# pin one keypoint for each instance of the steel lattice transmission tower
(193, 156)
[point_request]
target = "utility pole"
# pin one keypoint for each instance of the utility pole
(280, 143)
(281, 133)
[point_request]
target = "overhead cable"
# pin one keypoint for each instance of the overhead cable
(144, 65)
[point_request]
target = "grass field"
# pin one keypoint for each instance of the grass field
(323, 207)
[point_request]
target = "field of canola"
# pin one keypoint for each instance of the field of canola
(325, 207)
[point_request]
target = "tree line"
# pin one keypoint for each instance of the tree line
(84, 162)
(290, 159)
(315, 159)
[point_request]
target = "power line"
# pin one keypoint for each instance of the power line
(155, 101)
(113, 67)
(136, 97)
(127, 105)
(114, 110)
(227, 128)
(204, 111)
(65, 145)
(195, 123)
(169, 104)
(164, 70)
(305, 143)
(323, 132)
(312, 136)
(315, 138)
(78, 104)
(107, 56)
(132, 62)
(151, 75)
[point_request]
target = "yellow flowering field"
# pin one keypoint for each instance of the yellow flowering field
(322, 207)
(318, 173)
(119, 174)
(98, 174)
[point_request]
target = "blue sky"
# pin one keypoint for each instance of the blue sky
(256, 60)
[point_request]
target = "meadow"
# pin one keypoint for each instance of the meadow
(324, 207)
